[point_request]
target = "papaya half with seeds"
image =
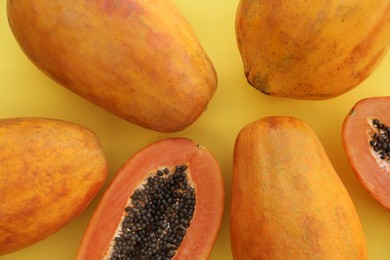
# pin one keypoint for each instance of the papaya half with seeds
(287, 200)
(138, 59)
(166, 202)
(365, 135)
(311, 50)
(50, 171)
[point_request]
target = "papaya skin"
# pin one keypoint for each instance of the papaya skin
(206, 176)
(311, 50)
(139, 60)
(356, 129)
(50, 171)
(287, 200)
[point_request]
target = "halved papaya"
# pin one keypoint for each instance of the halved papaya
(365, 135)
(165, 202)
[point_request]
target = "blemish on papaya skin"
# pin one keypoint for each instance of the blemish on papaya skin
(121, 8)
(273, 124)
(261, 83)
(352, 112)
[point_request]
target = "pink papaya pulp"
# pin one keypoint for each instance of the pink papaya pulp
(365, 135)
(166, 201)
(138, 59)
(50, 171)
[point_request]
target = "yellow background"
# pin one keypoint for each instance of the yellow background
(25, 91)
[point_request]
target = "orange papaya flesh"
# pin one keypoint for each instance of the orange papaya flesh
(365, 135)
(159, 205)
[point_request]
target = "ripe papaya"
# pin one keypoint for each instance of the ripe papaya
(165, 202)
(138, 59)
(311, 49)
(287, 200)
(365, 135)
(50, 171)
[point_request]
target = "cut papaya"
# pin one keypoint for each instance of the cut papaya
(365, 135)
(165, 202)
(50, 171)
(287, 200)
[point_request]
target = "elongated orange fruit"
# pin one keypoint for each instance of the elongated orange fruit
(287, 200)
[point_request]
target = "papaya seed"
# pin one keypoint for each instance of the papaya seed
(157, 217)
(380, 139)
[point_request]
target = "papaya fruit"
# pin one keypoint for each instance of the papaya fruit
(287, 200)
(165, 202)
(137, 59)
(50, 171)
(312, 50)
(365, 135)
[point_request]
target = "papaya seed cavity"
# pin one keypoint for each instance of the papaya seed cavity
(157, 216)
(379, 139)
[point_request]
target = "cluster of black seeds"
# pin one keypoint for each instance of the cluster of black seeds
(380, 139)
(157, 219)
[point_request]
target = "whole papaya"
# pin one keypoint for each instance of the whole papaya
(138, 59)
(50, 171)
(287, 200)
(311, 49)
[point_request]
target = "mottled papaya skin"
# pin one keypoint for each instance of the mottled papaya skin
(287, 200)
(311, 49)
(50, 170)
(138, 59)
